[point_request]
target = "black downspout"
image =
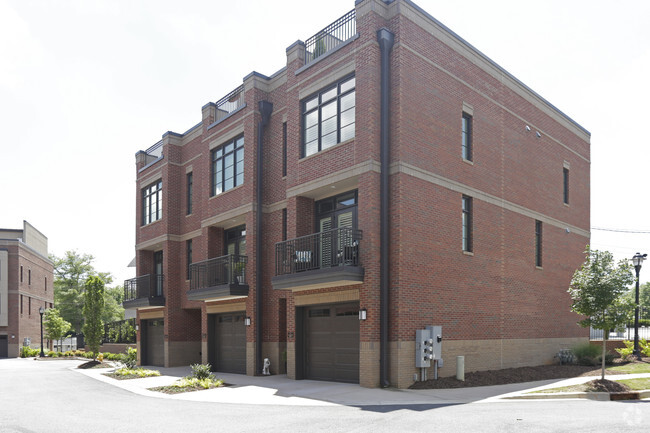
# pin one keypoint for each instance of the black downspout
(265, 108)
(386, 40)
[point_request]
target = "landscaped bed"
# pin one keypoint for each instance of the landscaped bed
(531, 374)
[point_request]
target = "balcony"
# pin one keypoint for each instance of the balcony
(144, 291)
(335, 34)
(326, 259)
(219, 278)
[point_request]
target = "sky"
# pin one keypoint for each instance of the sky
(86, 84)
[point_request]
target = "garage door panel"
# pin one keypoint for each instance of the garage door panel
(230, 345)
(155, 343)
(332, 343)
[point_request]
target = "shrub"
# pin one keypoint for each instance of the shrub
(130, 358)
(135, 372)
(627, 351)
(28, 352)
(587, 354)
(202, 371)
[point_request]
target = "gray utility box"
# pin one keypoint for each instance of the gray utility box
(428, 346)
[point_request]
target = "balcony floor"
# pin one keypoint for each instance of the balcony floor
(319, 278)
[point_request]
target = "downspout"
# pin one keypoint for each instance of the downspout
(386, 40)
(265, 108)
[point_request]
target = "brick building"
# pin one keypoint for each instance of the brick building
(390, 177)
(26, 285)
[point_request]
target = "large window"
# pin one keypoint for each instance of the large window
(467, 137)
(329, 117)
(467, 224)
(152, 203)
(228, 166)
(190, 188)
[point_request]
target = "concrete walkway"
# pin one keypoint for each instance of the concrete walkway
(279, 390)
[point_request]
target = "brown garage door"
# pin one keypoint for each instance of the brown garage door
(155, 343)
(4, 346)
(229, 346)
(332, 342)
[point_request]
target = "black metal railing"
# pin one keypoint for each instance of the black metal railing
(336, 247)
(122, 331)
(229, 103)
(145, 286)
(155, 150)
(331, 36)
(230, 269)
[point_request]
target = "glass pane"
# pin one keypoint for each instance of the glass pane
(311, 104)
(328, 110)
(311, 119)
(230, 172)
(240, 179)
(229, 147)
(328, 140)
(228, 184)
(218, 153)
(240, 142)
(311, 148)
(347, 117)
(311, 133)
(229, 159)
(347, 101)
(328, 95)
(348, 85)
(328, 126)
(347, 132)
(240, 155)
(346, 200)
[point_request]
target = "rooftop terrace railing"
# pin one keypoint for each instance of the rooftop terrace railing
(155, 150)
(229, 103)
(331, 36)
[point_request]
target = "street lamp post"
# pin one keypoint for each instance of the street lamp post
(41, 311)
(637, 261)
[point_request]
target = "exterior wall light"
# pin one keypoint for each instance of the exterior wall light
(247, 321)
(363, 314)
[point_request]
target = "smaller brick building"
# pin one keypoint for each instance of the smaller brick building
(26, 285)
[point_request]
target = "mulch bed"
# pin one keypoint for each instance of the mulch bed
(515, 375)
(93, 364)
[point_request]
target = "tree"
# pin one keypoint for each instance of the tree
(598, 292)
(113, 310)
(54, 325)
(93, 307)
(70, 274)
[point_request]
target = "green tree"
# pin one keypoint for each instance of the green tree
(113, 310)
(54, 325)
(644, 299)
(93, 307)
(598, 291)
(70, 274)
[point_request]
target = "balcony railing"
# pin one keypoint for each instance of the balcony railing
(327, 249)
(331, 36)
(229, 103)
(144, 287)
(230, 269)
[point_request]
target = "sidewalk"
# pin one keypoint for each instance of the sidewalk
(279, 390)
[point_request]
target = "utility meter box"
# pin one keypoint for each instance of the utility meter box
(423, 348)
(436, 336)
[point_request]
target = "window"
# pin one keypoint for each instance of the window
(329, 117)
(29, 306)
(190, 186)
(284, 224)
(152, 203)
(29, 277)
(467, 137)
(21, 304)
(467, 224)
(228, 166)
(21, 274)
(566, 185)
(46, 284)
(284, 149)
(538, 243)
(189, 256)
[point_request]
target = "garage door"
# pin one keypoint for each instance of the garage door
(4, 346)
(332, 342)
(155, 343)
(229, 343)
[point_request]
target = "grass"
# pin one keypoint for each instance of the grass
(188, 384)
(632, 368)
(132, 373)
(634, 384)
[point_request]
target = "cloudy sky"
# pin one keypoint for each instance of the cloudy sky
(86, 84)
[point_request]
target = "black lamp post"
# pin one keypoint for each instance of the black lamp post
(637, 261)
(41, 311)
